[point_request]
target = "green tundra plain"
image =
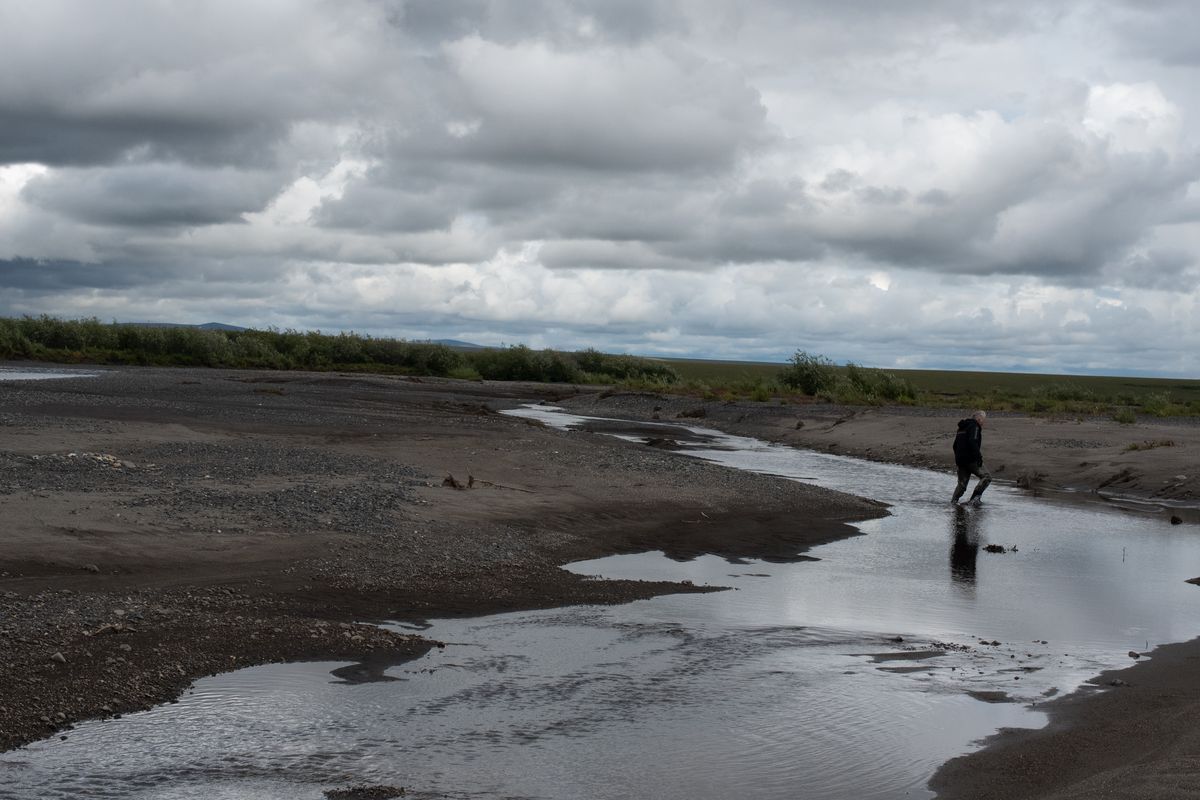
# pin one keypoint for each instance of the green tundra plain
(805, 378)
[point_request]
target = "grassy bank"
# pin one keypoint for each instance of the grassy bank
(805, 378)
(813, 376)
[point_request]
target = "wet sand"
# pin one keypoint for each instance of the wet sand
(165, 524)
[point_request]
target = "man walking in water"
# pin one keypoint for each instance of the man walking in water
(968, 455)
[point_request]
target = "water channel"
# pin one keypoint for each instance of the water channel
(852, 676)
(10, 374)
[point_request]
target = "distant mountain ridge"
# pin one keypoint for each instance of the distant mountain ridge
(207, 326)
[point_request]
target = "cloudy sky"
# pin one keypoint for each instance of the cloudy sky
(926, 183)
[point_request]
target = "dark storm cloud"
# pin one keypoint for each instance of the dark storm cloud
(61, 138)
(152, 194)
(509, 21)
(36, 276)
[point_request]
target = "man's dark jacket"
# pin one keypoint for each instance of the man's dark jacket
(968, 443)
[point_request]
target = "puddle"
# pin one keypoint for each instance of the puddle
(854, 675)
(7, 374)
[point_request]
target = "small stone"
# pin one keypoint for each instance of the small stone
(1134, 654)
(59, 657)
(1176, 519)
(126, 648)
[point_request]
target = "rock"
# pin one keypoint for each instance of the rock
(91, 568)
(59, 658)
(1117, 682)
(1134, 654)
(1030, 479)
(365, 792)
(1176, 519)
(126, 648)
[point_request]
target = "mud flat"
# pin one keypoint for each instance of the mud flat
(165, 524)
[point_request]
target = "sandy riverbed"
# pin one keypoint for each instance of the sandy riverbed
(163, 524)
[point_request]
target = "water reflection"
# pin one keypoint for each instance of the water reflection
(964, 552)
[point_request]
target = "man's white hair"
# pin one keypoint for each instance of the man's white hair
(981, 414)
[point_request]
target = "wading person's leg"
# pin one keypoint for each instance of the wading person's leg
(984, 477)
(964, 475)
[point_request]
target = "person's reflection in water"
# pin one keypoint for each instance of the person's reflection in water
(965, 549)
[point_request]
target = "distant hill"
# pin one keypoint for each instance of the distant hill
(207, 326)
(457, 344)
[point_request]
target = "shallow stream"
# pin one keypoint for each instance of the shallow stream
(852, 676)
(9, 374)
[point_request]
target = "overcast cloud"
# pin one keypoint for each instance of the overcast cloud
(966, 184)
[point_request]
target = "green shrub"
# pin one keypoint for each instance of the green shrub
(810, 373)
(520, 363)
(863, 386)
(251, 349)
(13, 343)
(1125, 416)
(1158, 404)
(610, 368)
(347, 348)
